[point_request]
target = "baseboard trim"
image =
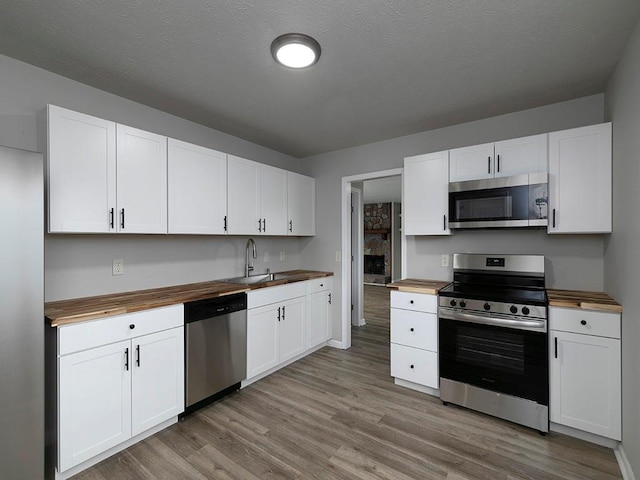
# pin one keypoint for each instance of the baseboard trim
(586, 436)
(337, 344)
(623, 463)
(417, 387)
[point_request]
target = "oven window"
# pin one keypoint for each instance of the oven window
(502, 351)
(499, 359)
(507, 203)
(484, 208)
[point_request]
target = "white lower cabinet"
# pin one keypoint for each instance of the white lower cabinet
(414, 339)
(585, 371)
(286, 322)
(319, 293)
(110, 393)
(275, 326)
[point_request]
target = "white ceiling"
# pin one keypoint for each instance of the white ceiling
(388, 68)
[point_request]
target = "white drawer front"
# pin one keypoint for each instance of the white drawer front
(415, 365)
(280, 293)
(420, 302)
(319, 285)
(94, 333)
(588, 322)
(414, 329)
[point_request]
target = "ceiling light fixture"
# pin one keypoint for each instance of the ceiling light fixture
(295, 50)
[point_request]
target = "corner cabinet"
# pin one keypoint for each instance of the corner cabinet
(580, 191)
(257, 198)
(120, 379)
(426, 195)
(104, 177)
(197, 189)
(585, 371)
(414, 341)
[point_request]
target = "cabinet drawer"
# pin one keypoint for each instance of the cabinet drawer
(588, 322)
(319, 285)
(280, 293)
(414, 329)
(415, 365)
(420, 302)
(90, 334)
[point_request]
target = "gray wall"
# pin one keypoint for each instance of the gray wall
(80, 265)
(622, 251)
(574, 261)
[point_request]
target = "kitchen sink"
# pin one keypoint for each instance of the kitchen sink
(252, 279)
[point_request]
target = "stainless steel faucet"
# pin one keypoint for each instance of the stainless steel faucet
(248, 266)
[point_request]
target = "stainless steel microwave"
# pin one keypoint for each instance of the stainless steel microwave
(518, 201)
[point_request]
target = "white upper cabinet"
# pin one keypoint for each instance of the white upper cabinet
(197, 189)
(301, 204)
(426, 194)
(580, 180)
(520, 156)
(273, 200)
(257, 198)
(500, 159)
(471, 163)
(81, 159)
(141, 181)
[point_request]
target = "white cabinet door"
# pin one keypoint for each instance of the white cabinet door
(319, 318)
(471, 163)
(426, 195)
(291, 328)
(273, 200)
(580, 180)
(243, 187)
(262, 339)
(94, 388)
(301, 204)
(81, 157)
(197, 189)
(521, 155)
(415, 365)
(141, 181)
(585, 383)
(157, 391)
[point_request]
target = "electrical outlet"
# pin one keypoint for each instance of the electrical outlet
(118, 266)
(444, 260)
(266, 257)
(282, 255)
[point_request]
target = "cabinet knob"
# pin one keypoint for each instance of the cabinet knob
(132, 326)
(411, 302)
(411, 329)
(583, 322)
(411, 367)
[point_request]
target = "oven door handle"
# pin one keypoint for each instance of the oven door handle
(537, 325)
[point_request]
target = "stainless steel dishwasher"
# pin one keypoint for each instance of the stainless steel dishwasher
(215, 348)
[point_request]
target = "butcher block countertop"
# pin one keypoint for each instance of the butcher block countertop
(415, 285)
(66, 312)
(584, 300)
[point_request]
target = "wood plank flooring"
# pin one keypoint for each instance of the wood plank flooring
(338, 415)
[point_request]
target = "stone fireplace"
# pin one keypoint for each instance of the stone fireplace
(377, 243)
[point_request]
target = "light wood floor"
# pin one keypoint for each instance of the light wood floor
(337, 415)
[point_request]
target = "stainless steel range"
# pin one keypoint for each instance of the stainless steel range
(493, 338)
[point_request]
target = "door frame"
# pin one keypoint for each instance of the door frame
(357, 314)
(346, 245)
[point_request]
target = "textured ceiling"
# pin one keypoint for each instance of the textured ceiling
(388, 68)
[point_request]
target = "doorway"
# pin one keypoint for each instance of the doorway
(353, 297)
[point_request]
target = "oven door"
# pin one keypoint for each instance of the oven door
(499, 359)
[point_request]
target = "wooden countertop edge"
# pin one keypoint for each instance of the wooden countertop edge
(577, 299)
(57, 319)
(414, 285)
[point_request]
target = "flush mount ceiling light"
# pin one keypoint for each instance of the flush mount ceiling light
(295, 50)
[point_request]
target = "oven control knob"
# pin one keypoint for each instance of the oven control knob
(513, 309)
(452, 302)
(525, 311)
(487, 306)
(463, 303)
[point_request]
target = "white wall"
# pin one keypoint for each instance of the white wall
(574, 261)
(622, 251)
(80, 265)
(383, 190)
